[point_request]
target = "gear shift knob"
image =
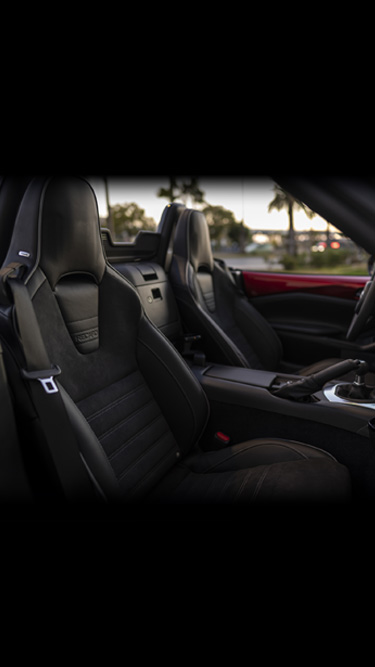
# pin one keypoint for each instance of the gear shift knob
(360, 373)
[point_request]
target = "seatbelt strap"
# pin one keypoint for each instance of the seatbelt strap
(14, 484)
(234, 280)
(40, 375)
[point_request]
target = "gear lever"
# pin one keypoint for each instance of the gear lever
(358, 389)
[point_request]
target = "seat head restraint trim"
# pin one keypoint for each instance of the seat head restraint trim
(62, 239)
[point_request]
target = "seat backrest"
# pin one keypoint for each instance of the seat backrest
(211, 304)
(157, 297)
(135, 407)
(151, 279)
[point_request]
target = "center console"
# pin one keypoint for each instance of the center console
(261, 390)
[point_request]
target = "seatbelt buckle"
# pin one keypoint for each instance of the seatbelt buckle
(45, 378)
(12, 271)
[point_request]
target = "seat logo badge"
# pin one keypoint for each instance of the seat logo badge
(86, 336)
(24, 253)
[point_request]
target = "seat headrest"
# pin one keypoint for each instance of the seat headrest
(192, 240)
(12, 189)
(169, 218)
(58, 229)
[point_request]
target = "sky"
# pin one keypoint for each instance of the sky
(247, 197)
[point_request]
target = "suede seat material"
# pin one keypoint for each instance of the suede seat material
(259, 471)
(211, 304)
(136, 408)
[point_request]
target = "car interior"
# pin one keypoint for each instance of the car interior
(142, 377)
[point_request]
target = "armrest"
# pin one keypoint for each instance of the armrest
(242, 375)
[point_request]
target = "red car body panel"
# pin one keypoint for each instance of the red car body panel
(262, 284)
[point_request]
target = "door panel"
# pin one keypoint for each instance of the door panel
(259, 284)
(310, 313)
(306, 313)
(310, 326)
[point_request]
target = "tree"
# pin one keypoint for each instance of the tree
(284, 200)
(182, 189)
(240, 234)
(218, 219)
(129, 219)
(222, 224)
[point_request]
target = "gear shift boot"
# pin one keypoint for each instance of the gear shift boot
(357, 390)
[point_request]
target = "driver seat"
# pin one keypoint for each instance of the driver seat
(233, 331)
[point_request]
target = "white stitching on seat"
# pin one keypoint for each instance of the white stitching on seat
(260, 483)
(233, 455)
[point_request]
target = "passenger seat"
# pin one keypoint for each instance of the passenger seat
(210, 303)
(134, 408)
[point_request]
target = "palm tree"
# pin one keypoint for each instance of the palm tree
(182, 189)
(284, 200)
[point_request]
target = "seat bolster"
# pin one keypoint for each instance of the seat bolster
(247, 328)
(92, 452)
(259, 451)
(175, 388)
(260, 336)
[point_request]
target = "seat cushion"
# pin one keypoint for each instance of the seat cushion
(257, 471)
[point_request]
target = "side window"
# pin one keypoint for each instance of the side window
(254, 224)
(269, 230)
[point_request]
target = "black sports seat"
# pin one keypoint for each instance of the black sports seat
(211, 304)
(135, 408)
